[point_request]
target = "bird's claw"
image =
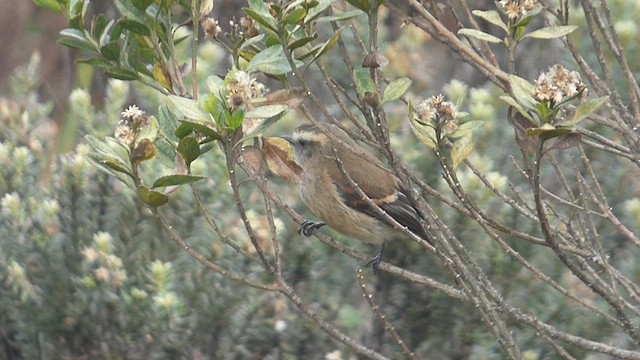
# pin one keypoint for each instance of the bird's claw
(308, 227)
(375, 262)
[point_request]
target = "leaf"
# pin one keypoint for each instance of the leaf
(135, 26)
(302, 41)
(96, 62)
(189, 108)
(259, 12)
(491, 16)
(166, 152)
(51, 4)
(110, 162)
(278, 156)
(111, 51)
(159, 76)
(396, 89)
(361, 4)
(152, 198)
(315, 11)
(295, 16)
(98, 25)
(187, 127)
(461, 150)
(477, 34)
(548, 131)
(466, 128)
(103, 148)
(328, 45)
(341, 17)
(121, 73)
(583, 111)
(189, 149)
(270, 61)
(425, 133)
(171, 180)
(551, 32)
(267, 111)
(522, 91)
(511, 101)
(363, 81)
(76, 39)
(215, 84)
(168, 123)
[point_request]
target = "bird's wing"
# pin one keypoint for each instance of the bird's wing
(389, 198)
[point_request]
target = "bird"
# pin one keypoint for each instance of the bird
(319, 149)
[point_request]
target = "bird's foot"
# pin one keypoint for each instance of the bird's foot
(308, 227)
(375, 261)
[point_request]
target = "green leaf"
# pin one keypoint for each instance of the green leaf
(51, 4)
(396, 89)
(110, 162)
(461, 150)
(491, 16)
(141, 4)
(121, 73)
(215, 85)
(166, 152)
(364, 83)
(522, 91)
(259, 12)
(189, 149)
(187, 127)
(171, 180)
(479, 35)
(189, 108)
(267, 111)
(96, 62)
(328, 45)
(585, 109)
(551, 32)
(270, 61)
(98, 25)
(301, 42)
(76, 39)
(152, 198)
(168, 123)
(135, 26)
(107, 166)
(318, 9)
(340, 17)
(295, 16)
(105, 149)
(466, 128)
(111, 51)
(361, 4)
(127, 9)
(425, 133)
(511, 101)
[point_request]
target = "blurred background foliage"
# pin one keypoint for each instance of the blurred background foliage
(88, 274)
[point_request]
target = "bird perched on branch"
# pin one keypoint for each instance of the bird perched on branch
(332, 164)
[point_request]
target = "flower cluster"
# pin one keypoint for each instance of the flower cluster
(211, 28)
(246, 28)
(517, 8)
(133, 119)
(241, 88)
(438, 113)
(558, 84)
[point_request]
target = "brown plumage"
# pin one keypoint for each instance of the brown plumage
(328, 194)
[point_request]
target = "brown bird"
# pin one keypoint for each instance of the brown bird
(329, 195)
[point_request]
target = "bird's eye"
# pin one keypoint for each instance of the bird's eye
(302, 143)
